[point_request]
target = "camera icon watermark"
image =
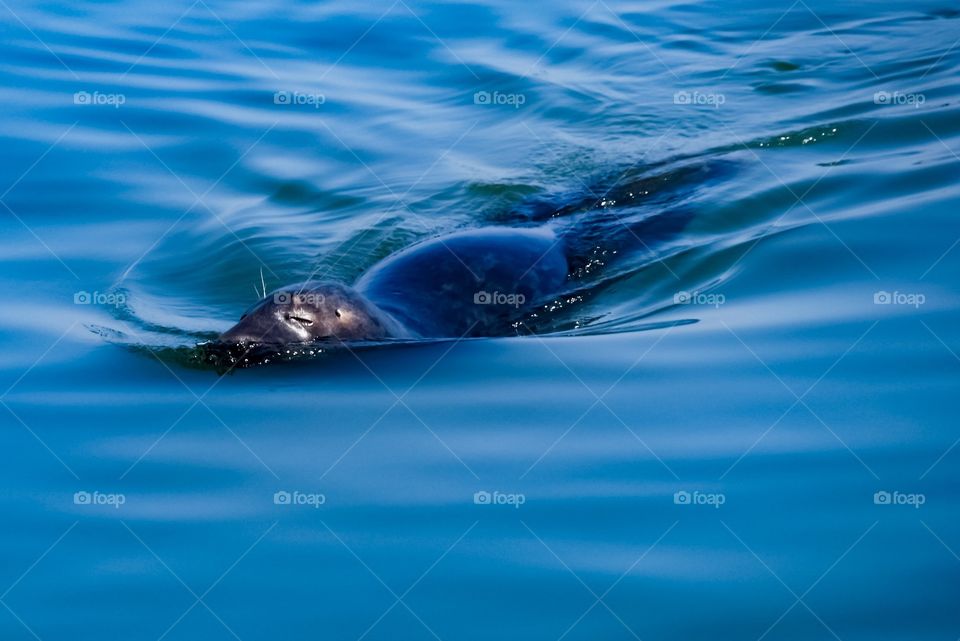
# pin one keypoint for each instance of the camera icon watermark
(483, 497)
(297, 498)
(699, 98)
(714, 499)
(899, 498)
(913, 299)
(298, 298)
(699, 298)
(515, 100)
(99, 498)
(483, 297)
(83, 297)
(96, 98)
(899, 98)
(299, 98)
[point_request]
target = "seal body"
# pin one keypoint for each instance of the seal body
(471, 283)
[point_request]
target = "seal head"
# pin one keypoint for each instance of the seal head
(312, 312)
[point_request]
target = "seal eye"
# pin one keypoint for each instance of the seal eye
(337, 312)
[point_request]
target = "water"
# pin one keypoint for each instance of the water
(769, 455)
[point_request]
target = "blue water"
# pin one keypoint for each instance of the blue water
(748, 432)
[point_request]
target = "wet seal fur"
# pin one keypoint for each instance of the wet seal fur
(467, 284)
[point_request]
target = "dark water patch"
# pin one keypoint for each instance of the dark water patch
(783, 66)
(946, 13)
(304, 194)
(779, 88)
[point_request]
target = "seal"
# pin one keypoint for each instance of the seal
(484, 282)
(465, 284)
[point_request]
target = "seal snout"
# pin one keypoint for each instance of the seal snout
(267, 326)
(309, 313)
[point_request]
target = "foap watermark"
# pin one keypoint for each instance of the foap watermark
(114, 500)
(715, 499)
(899, 498)
(515, 100)
(699, 298)
(483, 497)
(299, 98)
(83, 297)
(498, 298)
(699, 98)
(99, 99)
(899, 98)
(311, 499)
(884, 297)
(301, 298)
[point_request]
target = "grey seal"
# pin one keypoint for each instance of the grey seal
(485, 282)
(465, 284)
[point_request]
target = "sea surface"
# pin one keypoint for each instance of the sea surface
(746, 430)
